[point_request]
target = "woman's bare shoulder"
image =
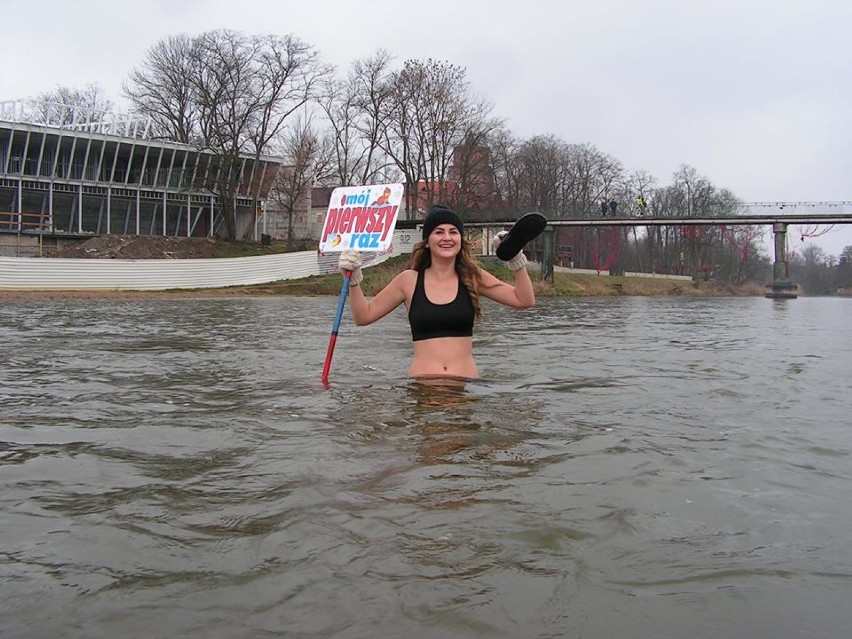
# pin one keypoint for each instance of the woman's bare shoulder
(406, 278)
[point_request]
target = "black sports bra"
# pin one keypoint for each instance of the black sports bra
(429, 320)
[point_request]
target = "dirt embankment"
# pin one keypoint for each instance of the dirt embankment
(139, 247)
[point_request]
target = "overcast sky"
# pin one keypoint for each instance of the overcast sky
(754, 94)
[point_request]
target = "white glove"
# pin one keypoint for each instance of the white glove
(351, 260)
(516, 263)
(495, 241)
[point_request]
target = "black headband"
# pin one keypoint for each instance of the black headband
(441, 215)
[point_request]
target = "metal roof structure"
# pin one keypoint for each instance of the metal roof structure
(75, 118)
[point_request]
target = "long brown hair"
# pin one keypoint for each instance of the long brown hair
(466, 268)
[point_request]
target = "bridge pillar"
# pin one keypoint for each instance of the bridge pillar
(548, 254)
(781, 287)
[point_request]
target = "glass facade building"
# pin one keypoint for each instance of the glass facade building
(74, 173)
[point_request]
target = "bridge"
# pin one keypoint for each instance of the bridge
(781, 216)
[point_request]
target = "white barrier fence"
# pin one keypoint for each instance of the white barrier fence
(33, 273)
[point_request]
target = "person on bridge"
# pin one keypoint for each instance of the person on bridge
(442, 292)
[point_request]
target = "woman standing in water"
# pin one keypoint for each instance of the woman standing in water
(442, 291)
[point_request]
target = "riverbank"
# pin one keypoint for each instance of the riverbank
(564, 285)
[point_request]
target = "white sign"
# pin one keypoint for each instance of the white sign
(361, 218)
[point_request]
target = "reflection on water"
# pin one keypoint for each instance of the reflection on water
(626, 467)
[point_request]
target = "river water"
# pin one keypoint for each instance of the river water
(628, 467)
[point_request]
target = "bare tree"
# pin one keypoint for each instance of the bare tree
(302, 148)
(811, 268)
(540, 160)
(733, 253)
(162, 89)
(641, 184)
(504, 147)
(736, 257)
(563, 180)
(372, 86)
(66, 106)
(843, 270)
(337, 102)
(229, 94)
(420, 125)
(473, 172)
(353, 110)
(429, 112)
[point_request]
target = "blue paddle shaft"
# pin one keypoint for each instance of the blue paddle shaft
(341, 303)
